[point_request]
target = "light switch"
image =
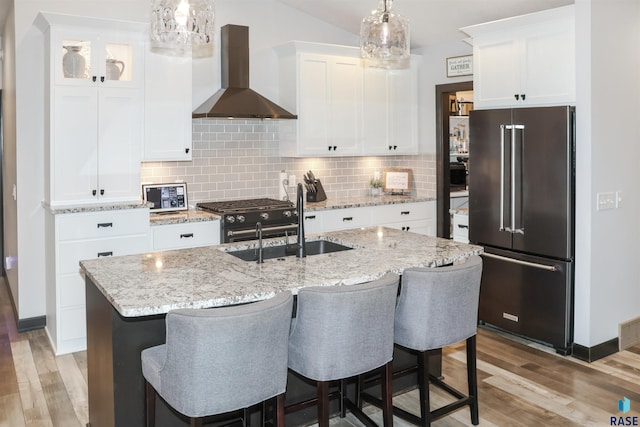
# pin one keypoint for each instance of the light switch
(606, 201)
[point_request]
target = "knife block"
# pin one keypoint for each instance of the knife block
(318, 195)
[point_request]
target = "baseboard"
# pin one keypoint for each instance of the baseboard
(24, 325)
(591, 354)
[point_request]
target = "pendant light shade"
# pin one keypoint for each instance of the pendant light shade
(182, 27)
(384, 38)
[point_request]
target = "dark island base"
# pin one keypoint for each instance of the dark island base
(116, 385)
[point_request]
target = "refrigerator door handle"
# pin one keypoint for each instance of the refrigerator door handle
(513, 179)
(520, 262)
(502, 129)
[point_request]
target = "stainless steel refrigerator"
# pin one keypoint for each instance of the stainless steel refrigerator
(521, 210)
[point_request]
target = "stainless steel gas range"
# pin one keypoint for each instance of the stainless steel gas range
(240, 218)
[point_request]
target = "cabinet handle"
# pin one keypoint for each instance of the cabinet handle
(94, 192)
(105, 224)
(517, 96)
(408, 228)
(462, 226)
(310, 217)
(395, 146)
(102, 79)
(101, 254)
(93, 78)
(186, 235)
(522, 96)
(348, 218)
(102, 191)
(405, 212)
(186, 150)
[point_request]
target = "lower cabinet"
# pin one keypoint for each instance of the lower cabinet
(71, 238)
(185, 235)
(416, 217)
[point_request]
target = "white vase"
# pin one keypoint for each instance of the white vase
(73, 63)
(376, 191)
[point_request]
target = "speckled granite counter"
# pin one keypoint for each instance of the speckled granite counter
(95, 208)
(355, 202)
(154, 283)
(191, 215)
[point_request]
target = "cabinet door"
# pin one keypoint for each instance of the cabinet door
(403, 114)
(345, 106)
(314, 108)
(74, 161)
(167, 108)
(376, 111)
(120, 135)
(496, 72)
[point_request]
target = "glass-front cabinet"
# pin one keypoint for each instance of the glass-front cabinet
(83, 58)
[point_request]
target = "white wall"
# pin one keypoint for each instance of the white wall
(607, 287)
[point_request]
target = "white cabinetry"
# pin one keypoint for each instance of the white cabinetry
(167, 107)
(415, 217)
(325, 91)
(390, 111)
(187, 235)
(79, 236)
(343, 219)
(525, 61)
(95, 112)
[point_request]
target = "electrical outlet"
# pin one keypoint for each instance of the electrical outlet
(606, 201)
(619, 199)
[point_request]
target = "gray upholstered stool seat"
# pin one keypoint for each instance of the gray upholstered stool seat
(221, 360)
(438, 307)
(341, 332)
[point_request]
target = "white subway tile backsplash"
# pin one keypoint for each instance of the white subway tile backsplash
(240, 159)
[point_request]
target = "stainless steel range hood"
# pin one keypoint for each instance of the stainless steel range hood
(236, 99)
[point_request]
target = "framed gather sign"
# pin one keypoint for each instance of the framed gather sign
(460, 66)
(396, 181)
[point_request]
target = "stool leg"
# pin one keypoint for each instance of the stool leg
(323, 403)
(280, 410)
(150, 398)
(472, 379)
(423, 384)
(387, 392)
(196, 422)
(343, 396)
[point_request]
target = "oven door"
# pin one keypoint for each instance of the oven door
(244, 234)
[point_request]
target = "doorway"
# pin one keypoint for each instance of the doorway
(444, 94)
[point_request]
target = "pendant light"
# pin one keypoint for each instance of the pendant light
(384, 38)
(182, 27)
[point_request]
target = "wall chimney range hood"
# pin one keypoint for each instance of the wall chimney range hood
(235, 99)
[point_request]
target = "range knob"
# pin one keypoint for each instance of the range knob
(240, 218)
(264, 215)
(287, 214)
(231, 219)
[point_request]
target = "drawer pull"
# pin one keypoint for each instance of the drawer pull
(186, 235)
(101, 254)
(105, 224)
(405, 212)
(462, 226)
(405, 228)
(348, 218)
(310, 217)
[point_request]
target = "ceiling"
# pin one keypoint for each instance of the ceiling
(431, 21)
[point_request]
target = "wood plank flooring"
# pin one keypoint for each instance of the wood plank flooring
(520, 383)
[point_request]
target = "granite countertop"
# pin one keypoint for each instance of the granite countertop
(154, 283)
(181, 217)
(356, 202)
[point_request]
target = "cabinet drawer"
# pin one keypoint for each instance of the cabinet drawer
(342, 219)
(102, 224)
(421, 226)
(461, 228)
(71, 253)
(187, 235)
(400, 212)
(73, 323)
(72, 291)
(313, 222)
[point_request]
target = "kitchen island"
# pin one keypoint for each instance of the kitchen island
(127, 298)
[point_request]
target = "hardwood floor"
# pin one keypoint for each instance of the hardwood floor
(520, 383)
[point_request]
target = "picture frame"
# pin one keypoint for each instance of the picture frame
(396, 181)
(460, 66)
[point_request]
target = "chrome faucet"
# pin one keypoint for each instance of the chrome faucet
(302, 245)
(259, 236)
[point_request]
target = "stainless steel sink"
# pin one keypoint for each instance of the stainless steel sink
(314, 247)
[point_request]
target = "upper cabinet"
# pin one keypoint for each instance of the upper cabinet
(94, 118)
(525, 61)
(167, 107)
(343, 108)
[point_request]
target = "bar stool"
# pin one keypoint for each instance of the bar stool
(438, 307)
(220, 360)
(340, 332)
